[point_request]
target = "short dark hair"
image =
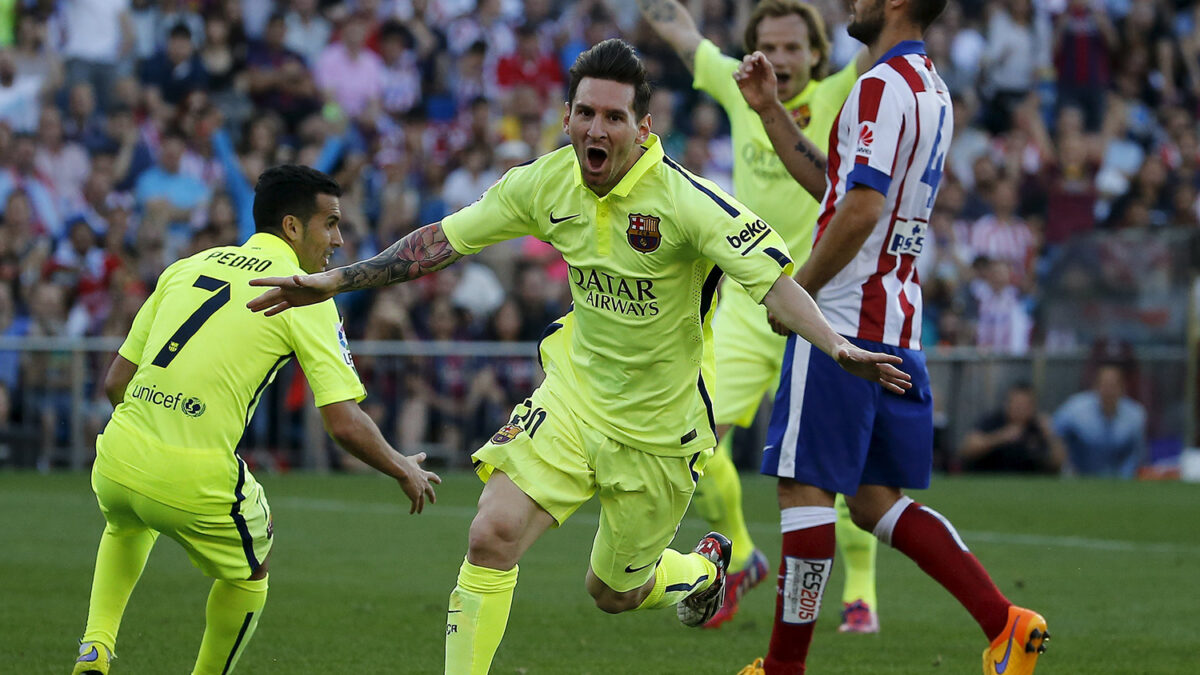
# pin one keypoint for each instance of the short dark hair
(180, 30)
(614, 60)
(925, 12)
(289, 190)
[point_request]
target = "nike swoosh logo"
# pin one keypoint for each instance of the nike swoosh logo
(93, 655)
(555, 221)
(1002, 664)
(631, 570)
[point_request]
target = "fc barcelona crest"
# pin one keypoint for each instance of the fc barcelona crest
(802, 116)
(506, 434)
(643, 233)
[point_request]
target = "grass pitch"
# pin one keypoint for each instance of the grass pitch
(358, 586)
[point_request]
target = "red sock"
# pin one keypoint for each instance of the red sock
(803, 571)
(932, 542)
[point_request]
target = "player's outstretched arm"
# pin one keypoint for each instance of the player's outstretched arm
(422, 252)
(672, 22)
(802, 158)
(358, 435)
(792, 306)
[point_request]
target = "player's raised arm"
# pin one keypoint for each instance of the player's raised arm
(672, 22)
(792, 306)
(802, 158)
(421, 252)
(358, 435)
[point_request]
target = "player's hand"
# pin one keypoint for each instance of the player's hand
(294, 291)
(777, 325)
(756, 79)
(416, 482)
(875, 367)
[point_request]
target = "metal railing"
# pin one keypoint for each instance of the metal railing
(967, 384)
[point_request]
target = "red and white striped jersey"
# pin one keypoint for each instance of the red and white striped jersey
(891, 136)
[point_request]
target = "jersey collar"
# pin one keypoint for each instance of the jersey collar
(652, 156)
(901, 48)
(799, 99)
(274, 243)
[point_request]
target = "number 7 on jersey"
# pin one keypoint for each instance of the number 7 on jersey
(221, 295)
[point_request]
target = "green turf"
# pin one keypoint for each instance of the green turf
(358, 586)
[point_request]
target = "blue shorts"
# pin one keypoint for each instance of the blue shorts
(837, 431)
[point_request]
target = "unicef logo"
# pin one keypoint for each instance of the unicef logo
(193, 407)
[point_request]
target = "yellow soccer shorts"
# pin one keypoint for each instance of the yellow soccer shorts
(749, 356)
(230, 545)
(561, 462)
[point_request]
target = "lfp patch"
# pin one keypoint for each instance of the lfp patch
(344, 344)
(506, 434)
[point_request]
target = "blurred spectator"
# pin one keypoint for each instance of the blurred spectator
(36, 56)
(18, 96)
(64, 163)
(83, 123)
(501, 382)
(401, 89)
(1002, 235)
(224, 60)
(1084, 41)
(176, 71)
(278, 78)
(470, 180)
(530, 64)
(1104, 430)
(1015, 439)
(348, 73)
(306, 31)
(1002, 321)
(1015, 52)
(97, 35)
(164, 193)
(22, 174)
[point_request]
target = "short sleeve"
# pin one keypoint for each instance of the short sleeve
(714, 74)
(135, 343)
(320, 345)
(875, 119)
(744, 246)
(497, 216)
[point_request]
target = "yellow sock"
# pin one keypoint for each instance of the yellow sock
(231, 616)
(856, 548)
(119, 564)
(477, 617)
(718, 499)
(677, 576)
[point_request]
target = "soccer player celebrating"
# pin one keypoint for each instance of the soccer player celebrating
(185, 383)
(791, 35)
(831, 434)
(624, 411)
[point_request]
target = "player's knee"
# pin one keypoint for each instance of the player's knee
(492, 540)
(863, 520)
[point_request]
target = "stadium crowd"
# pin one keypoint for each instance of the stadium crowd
(131, 134)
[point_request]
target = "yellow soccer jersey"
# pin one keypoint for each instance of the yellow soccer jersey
(634, 355)
(759, 178)
(764, 184)
(203, 362)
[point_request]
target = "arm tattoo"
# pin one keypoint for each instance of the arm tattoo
(658, 11)
(421, 252)
(811, 156)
